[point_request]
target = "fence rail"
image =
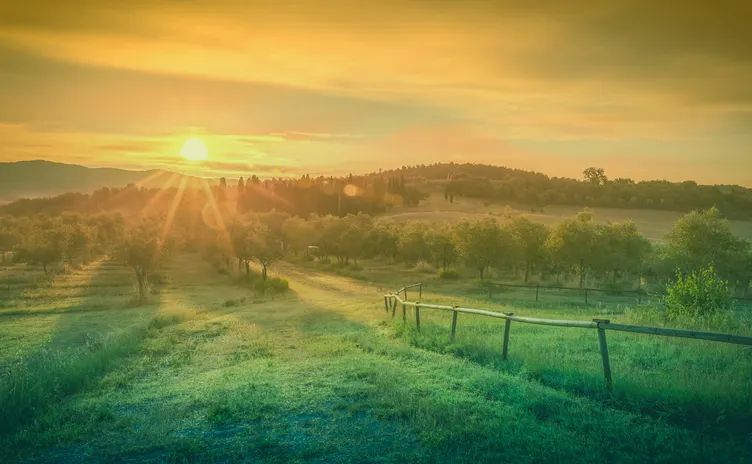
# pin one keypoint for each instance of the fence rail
(586, 291)
(391, 300)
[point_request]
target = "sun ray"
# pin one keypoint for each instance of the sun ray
(217, 215)
(162, 192)
(173, 208)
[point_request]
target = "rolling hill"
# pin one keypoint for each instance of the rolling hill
(38, 178)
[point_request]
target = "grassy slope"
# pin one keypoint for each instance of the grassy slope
(324, 375)
(654, 224)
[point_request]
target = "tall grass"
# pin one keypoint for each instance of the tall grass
(30, 385)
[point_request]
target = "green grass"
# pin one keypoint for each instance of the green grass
(210, 373)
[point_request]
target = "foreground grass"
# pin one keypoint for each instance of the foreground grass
(325, 375)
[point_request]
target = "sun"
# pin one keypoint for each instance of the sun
(194, 149)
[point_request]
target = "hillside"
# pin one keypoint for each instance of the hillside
(30, 179)
(500, 183)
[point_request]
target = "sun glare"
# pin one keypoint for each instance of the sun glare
(194, 149)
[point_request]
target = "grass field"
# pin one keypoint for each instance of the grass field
(207, 372)
(654, 224)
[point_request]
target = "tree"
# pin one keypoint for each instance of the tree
(574, 243)
(411, 242)
(265, 246)
(355, 236)
(483, 243)
(625, 249)
(46, 245)
(440, 246)
(702, 239)
(9, 239)
(241, 240)
(141, 248)
(80, 241)
(532, 238)
(298, 233)
(595, 176)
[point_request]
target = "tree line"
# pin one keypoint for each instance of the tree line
(303, 196)
(577, 248)
(594, 189)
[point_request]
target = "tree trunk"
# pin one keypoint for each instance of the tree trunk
(240, 264)
(481, 272)
(140, 279)
(527, 271)
(247, 268)
(44, 266)
(263, 271)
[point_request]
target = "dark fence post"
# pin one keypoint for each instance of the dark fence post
(586, 297)
(420, 290)
(404, 313)
(394, 306)
(417, 316)
(386, 304)
(507, 327)
(405, 294)
(604, 351)
(537, 288)
(454, 325)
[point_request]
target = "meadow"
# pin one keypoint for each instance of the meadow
(208, 371)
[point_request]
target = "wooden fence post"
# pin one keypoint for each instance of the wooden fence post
(420, 289)
(507, 327)
(454, 325)
(604, 351)
(405, 294)
(537, 288)
(394, 306)
(386, 304)
(404, 313)
(417, 316)
(586, 297)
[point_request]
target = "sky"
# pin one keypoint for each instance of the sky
(647, 89)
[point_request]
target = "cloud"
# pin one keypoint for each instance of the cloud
(331, 83)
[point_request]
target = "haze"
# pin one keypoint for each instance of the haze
(644, 89)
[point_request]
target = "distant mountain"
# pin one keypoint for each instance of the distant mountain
(32, 179)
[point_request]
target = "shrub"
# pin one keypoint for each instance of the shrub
(449, 274)
(221, 270)
(278, 284)
(698, 294)
(259, 287)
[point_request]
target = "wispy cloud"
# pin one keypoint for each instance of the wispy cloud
(323, 83)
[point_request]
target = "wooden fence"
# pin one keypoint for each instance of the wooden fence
(391, 300)
(639, 295)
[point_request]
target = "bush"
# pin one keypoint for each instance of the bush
(698, 294)
(221, 270)
(259, 287)
(273, 285)
(449, 274)
(277, 284)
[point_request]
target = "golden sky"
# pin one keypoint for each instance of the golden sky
(645, 89)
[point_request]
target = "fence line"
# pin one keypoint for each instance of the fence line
(638, 293)
(391, 300)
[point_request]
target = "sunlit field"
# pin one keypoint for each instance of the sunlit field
(209, 371)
